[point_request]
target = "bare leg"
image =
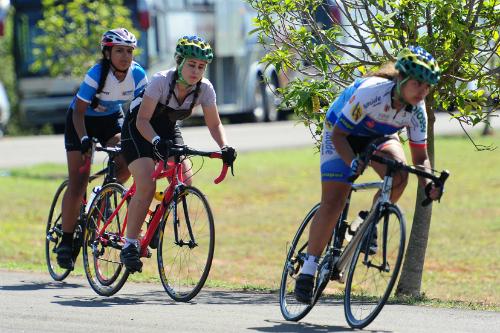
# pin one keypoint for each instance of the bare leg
(394, 150)
(333, 197)
(141, 169)
(73, 196)
(122, 172)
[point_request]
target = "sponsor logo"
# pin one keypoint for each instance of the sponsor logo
(386, 108)
(356, 112)
(128, 92)
(422, 122)
(373, 102)
(370, 123)
(346, 124)
(352, 99)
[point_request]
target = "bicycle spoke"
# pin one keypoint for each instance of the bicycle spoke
(372, 277)
(185, 252)
(53, 235)
(101, 254)
(290, 307)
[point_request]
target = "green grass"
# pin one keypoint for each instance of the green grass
(257, 213)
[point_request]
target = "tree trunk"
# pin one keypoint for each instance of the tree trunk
(410, 280)
(487, 129)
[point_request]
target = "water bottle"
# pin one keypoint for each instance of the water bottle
(354, 225)
(155, 202)
(92, 195)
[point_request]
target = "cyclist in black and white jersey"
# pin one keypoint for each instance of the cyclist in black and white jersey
(152, 120)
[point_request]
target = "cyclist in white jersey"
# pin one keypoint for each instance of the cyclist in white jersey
(96, 112)
(152, 120)
(375, 106)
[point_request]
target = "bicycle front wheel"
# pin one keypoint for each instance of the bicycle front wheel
(102, 243)
(372, 276)
(53, 235)
(291, 308)
(186, 247)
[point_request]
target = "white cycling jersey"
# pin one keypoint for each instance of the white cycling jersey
(365, 109)
(114, 92)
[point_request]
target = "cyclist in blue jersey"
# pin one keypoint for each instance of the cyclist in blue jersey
(152, 120)
(378, 105)
(96, 112)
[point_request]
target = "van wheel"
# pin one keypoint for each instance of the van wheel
(265, 109)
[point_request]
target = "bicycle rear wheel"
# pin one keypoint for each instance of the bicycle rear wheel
(101, 254)
(53, 235)
(186, 246)
(292, 309)
(371, 277)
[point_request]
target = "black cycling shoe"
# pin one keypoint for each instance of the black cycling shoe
(65, 256)
(130, 257)
(372, 247)
(304, 286)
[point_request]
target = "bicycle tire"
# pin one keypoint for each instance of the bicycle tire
(291, 309)
(101, 257)
(368, 287)
(53, 235)
(184, 266)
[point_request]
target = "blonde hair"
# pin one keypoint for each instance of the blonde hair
(387, 71)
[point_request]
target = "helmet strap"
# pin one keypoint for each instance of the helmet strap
(181, 79)
(399, 84)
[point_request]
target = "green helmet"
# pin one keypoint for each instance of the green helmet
(419, 64)
(194, 47)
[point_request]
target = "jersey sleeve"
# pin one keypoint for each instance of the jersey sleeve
(417, 129)
(140, 79)
(155, 88)
(353, 112)
(208, 98)
(89, 85)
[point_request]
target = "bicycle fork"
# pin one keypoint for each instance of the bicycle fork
(192, 242)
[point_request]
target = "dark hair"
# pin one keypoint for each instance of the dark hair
(105, 67)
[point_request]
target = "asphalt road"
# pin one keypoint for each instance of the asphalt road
(35, 303)
(31, 302)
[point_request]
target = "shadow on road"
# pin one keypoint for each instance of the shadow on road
(33, 285)
(284, 326)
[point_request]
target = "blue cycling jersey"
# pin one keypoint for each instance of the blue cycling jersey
(365, 109)
(114, 92)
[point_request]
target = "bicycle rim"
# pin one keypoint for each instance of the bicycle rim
(101, 256)
(368, 286)
(53, 235)
(184, 265)
(292, 309)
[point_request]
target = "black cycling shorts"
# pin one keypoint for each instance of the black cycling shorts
(135, 146)
(102, 128)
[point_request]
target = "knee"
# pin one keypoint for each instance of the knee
(400, 181)
(331, 208)
(76, 188)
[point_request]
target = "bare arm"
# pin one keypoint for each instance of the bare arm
(339, 139)
(79, 117)
(144, 115)
(421, 159)
(214, 125)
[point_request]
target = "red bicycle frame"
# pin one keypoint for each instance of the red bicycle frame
(174, 173)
